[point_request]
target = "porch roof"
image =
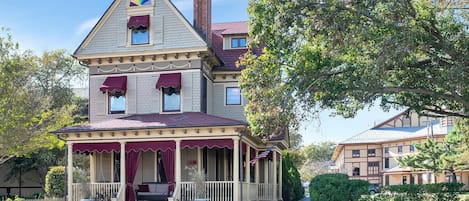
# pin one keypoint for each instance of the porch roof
(155, 121)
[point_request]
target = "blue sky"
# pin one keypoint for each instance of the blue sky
(58, 24)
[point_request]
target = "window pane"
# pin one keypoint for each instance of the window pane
(116, 104)
(139, 36)
(139, 2)
(233, 96)
(171, 100)
(242, 42)
(234, 43)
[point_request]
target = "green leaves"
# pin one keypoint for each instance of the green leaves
(35, 97)
(442, 157)
(349, 55)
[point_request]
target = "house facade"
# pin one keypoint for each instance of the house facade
(164, 101)
(371, 155)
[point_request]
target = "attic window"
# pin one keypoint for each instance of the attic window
(139, 29)
(238, 42)
(140, 2)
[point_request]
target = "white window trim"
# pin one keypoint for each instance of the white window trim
(107, 108)
(224, 95)
(181, 109)
(150, 31)
(227, 42)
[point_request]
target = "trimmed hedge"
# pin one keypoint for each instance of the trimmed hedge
(337, 187)
(426, 192)
(55, 182)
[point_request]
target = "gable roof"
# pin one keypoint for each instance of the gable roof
(155, 121)
(115, 17)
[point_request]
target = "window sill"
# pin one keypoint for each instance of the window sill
(139, 45)
(171, 112)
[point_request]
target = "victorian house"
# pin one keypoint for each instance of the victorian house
(371, 155)
(164, 102)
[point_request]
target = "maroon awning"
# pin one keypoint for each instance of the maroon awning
(138, 21)
(153, 146)
(218, 143)
(97, 147)
(114, 84)
(169, 80)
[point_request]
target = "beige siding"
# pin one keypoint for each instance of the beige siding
(223, 110)
(142, 97)
(112, 36)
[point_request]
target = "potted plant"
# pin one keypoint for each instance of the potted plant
(199, 179)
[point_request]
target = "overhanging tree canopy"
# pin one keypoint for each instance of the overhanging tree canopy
(346, 55)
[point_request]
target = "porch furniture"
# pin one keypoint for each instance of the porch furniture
(153, 191)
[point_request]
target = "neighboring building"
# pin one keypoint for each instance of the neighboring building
(371, 155)
(164, 98)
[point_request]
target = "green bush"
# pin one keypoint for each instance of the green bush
(337, 187)
(426, 192)
(55, 182)
(292, 189)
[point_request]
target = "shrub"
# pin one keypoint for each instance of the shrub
(426, 192)
(55, 182)
(292, 189)
(337, 187)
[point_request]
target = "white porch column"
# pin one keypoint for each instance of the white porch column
(69, 171)
(266, 170)
(177, 161)
(247, 171)
(92, 158)
(274, 155)
(236, 191)
(257, 169)
(199, 159)
(280, 187)
(123, 178)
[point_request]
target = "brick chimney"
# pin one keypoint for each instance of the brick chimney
(203, 19)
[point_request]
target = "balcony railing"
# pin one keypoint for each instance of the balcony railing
(97, 191)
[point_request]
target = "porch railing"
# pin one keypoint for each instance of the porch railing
(215, 190)
(104, 191)
(265, 191)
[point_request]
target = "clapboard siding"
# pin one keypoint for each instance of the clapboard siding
(228, 111)
(142, 97)
(113, 34)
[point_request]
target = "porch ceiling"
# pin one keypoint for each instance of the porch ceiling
(155, 121)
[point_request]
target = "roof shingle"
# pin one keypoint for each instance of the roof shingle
(155, 121)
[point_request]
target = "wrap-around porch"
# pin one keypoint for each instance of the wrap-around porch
(117, 168)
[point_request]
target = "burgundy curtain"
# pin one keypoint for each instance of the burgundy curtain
(168, 163)
(131, 165)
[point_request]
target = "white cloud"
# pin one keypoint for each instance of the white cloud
(86, 26)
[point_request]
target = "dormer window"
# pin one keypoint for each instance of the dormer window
(238, 42)
(139, 3)
(138, 26)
